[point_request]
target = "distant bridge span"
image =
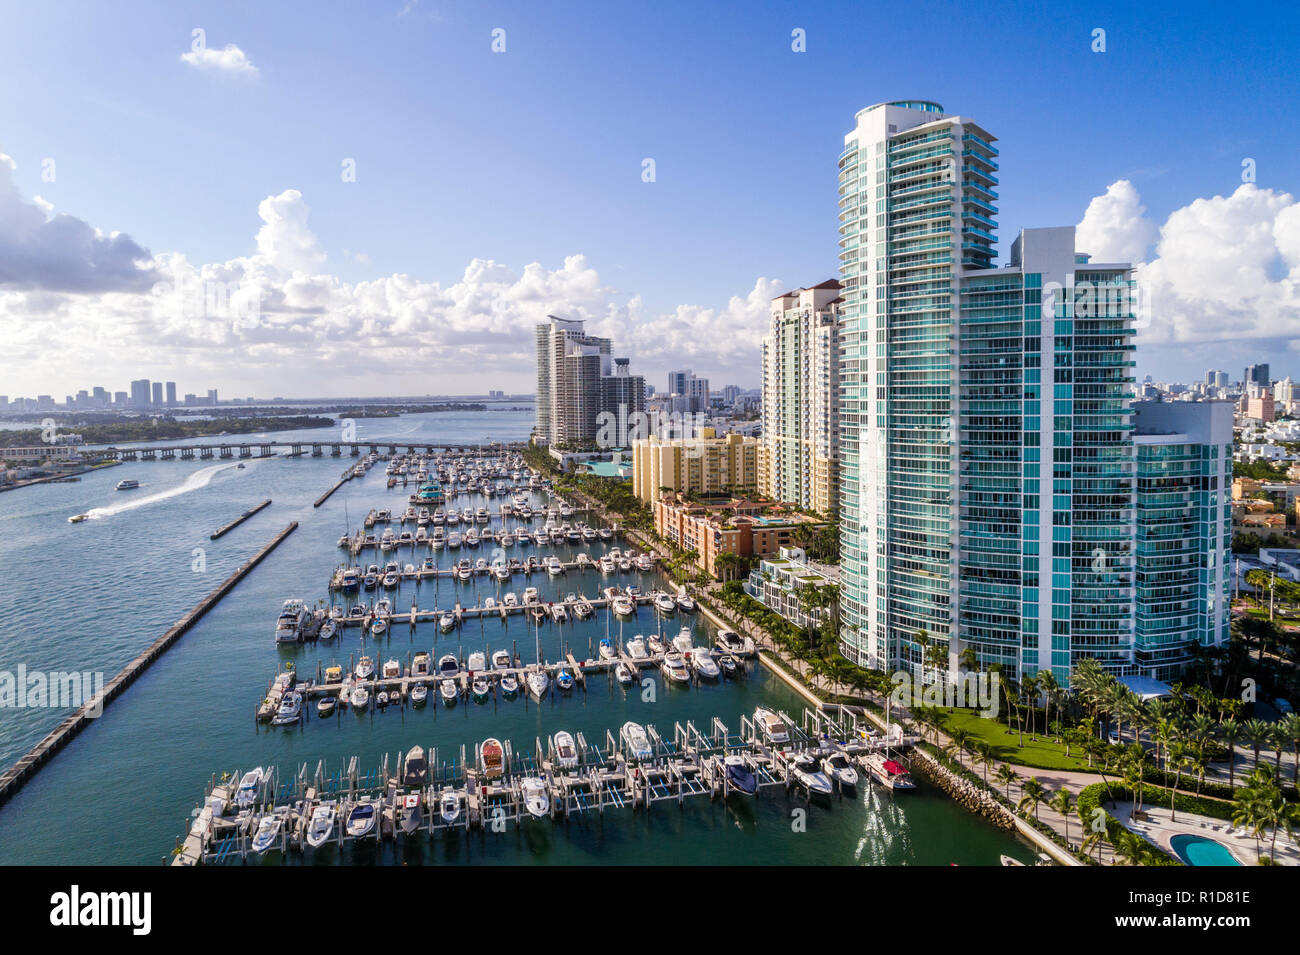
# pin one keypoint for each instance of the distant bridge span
(315, 449)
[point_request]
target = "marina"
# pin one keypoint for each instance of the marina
(232, 650)
(495, 784)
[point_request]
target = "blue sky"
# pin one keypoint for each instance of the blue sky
(535, 154)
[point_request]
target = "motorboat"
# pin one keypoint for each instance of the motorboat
(361, 819)
(703, 663)
(553, 566)
(419, 694)
(290, 710)
(447, 622)
(365, 669)
(359, 698)
(530, 595)
(808, 773)
(636, 648)
(501, 572)
(565, 750)
(684, 642)
(510, 600)
(509, 686)
(326, 706)
(321, 826)
(476, 661)
(607, 651)
(674, 667)
(888, 772)
(685, 603)
(480, 688)
(583, 609)
(623, 674)
(391, 669)
(537, 800)
(728, 665)
(623, 606)
(492, 758)
(635, 739)
(664, 603)
(656, 643)
(771, 725)
(729, 641)
(127, 485)
(420, 665)
(378, 626)
(739, 775)
(249, 787)
(448, 665)
(501, 660)
(268, 832)
(838, 768)
(559, 613)
(449, 806)
(448, 691)
(289, 625)
(328, 630)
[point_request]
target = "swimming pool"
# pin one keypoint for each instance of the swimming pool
(1197, 850)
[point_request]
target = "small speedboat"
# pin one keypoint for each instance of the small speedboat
(623, 673)
(808, 773)
(656, 643)
(501, 660)
(419, 694)
(739, 776)
(326, 706)
(268, 832)
(838, 768)
(447, 622)
(447, 689)
(685, 603)
(249, 787)
(361, 819)
(635, 739)
(359, 698)
(536, 799)
(771, 726)
(623, 606)
(476, 661)
(321, 826)
(480, 689)
(492, 760)
(509, 686)
(378, 627)
(566, 752)
(449, 806)
(328, 630)
(290, 710)
(728, 665)
(664, 603)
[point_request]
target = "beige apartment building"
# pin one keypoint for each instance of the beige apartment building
(706, 464)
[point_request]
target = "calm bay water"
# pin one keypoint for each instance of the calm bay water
(89, 596)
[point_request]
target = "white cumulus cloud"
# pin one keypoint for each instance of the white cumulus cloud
(228, 59)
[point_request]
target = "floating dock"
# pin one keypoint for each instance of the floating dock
(223, 531)
(600, 776)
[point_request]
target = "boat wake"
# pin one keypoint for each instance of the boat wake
(198, 479)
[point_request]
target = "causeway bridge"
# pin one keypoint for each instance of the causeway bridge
(315, 449)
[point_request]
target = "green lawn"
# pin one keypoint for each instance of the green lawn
(1036, 754)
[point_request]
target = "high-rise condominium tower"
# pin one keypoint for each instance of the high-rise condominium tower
(988, 465)
(577, 380)
(799, 448)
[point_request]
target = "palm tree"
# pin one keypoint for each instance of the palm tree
(1091, 841)
(1257, 733)
(1230, 733)
(1290, 726)
(1051, 690)
(1005, 775)
(1178, 758)
(1062, 802)
(1029, 687)
(1129, 847)
(1032, 794)
(957, 743)
(984, 754)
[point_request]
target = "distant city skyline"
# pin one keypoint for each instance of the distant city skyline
(359, 255)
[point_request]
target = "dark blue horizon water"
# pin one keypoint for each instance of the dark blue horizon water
(90, 596)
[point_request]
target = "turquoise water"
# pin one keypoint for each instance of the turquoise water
(89, 596)
(1197, 850)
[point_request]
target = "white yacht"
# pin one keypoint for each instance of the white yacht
(293, 616)
(664, 602)
(684, 642)
(674, 667)
(249, 787)
(838, 768)
(321, 826)
(536, 798)
(636, 648)
(268, 832)
(566, 752)
(771, 726)
(703, 663)
(808, 772)
(635, 739)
